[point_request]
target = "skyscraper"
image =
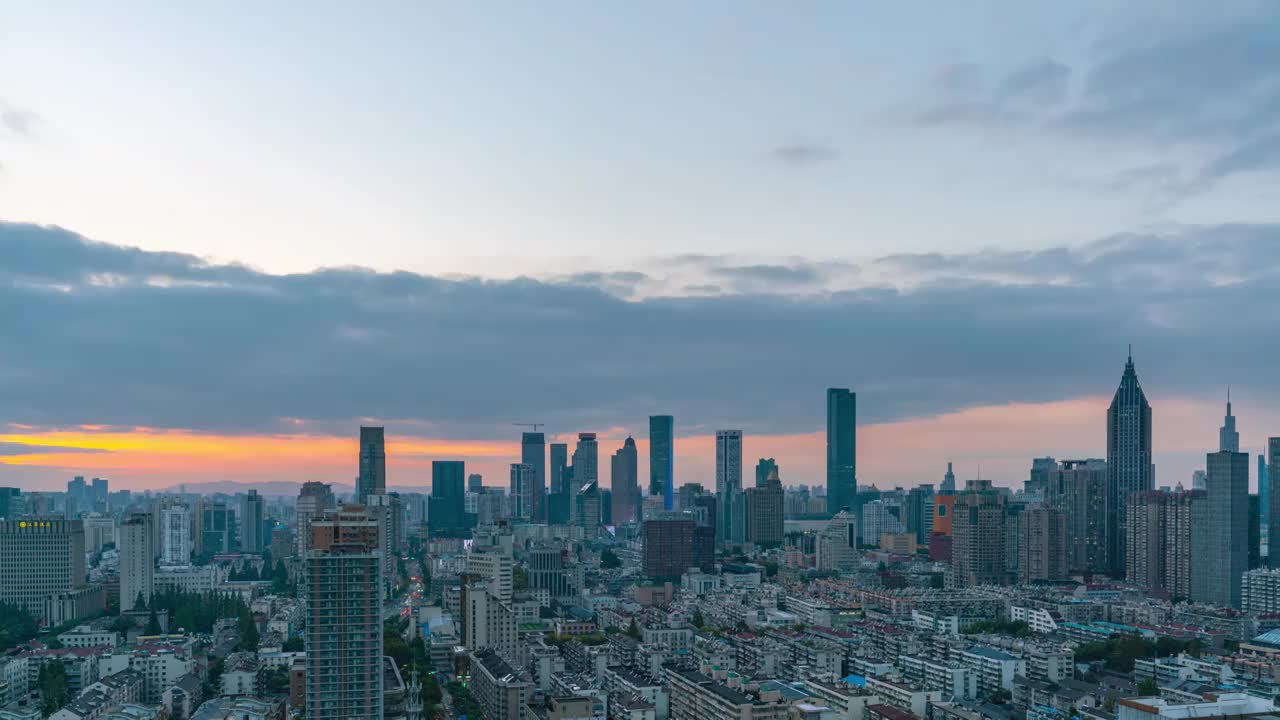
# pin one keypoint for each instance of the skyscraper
(137, 563)
(533, 452)
(42, 556)
(1218, 563)
(729, 485)
(1228, 438)
(251, 517)
(918, 511)
(175, 533)
(314, 499)
(586, 470)
(1273, 501)
(842, 446)
(625, 484)
(1148, 518)
(1039, 479)
(978, 539)
(559, 456)
(764, 511)
(662, 458)
(523, 488)
(372, 479)
(447, 508)
(344, 570)
(764, 468)
(948, 482)
(1043, 546)
(1129, 467)
(587, 513)
(1079, 489)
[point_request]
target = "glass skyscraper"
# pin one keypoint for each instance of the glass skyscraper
(448, 503)
(662, 458)
(533, 452)
(372, 479)
(1129, 467)
(842, 476)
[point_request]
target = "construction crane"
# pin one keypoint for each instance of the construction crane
(535, 426)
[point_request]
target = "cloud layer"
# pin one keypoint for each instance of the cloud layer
(95, 333)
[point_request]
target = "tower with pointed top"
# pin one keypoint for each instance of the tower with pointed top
(1228, 438)
(1129, 466)
(948, 481)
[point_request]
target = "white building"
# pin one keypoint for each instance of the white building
(137, 561)
(175, 535)
(1039, 619)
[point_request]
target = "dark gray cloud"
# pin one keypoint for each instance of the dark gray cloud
(9, 449)
(804, 154)
(1211, 87)
(774, 274)
(228, 348)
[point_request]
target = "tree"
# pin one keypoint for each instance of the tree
(937, 581)
(633, 631)
(609, 560)
(16, 626)
(1148, 687)
(139, 603)
(248, 631)
(519, 579)
(698, 620)
(153, 623)
(294, 645)
(52, 682)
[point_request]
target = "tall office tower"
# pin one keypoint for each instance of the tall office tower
(372, 479)
(11, 503)
(625, 483)
(1039, 479)
(877, 519)
(836, 547)
(670, 547)
(252, 513)
(1264, 502)
(1129, 467)
(488, 622)
(447, 511)
(75, 498)
(918, 511)
(687, 493)
(978, 539)
(1146, 548)
(100, 490)
(175, 534)
(587, 512)
(1218, 563)
(729, 483)
(1043, 546)
(496, 567)
(344, 647)
(40, 556)
(948, 482)
(764, 468)
(548, 571)
(1228, 438)
(764, 511)
(523, 489)
(842, 449)
(1273, 501)
(1197, 480)
(586, 469)
(314, 499)
(137, 562)
(559, 454)
(216, 533)
(1079, 489)
(1014, 524)
(1184, 529)
(662, 446)
(475, 483)
(706, 512)
(533, 452)
(1255, 531)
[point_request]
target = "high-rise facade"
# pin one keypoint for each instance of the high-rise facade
(978, 539)
(586, 463)
(523, 489)
(842, 447)
(918, 509)
(175, 534)
(948, 481)
(372, 479)
(626, 486)
(1043, 546)
(216, 532)
(765, 511)
(1079, 489)
(587, 510)
(1129, 466)
(662, 444)
(671, 547)
(764, 468)
(447, 513)
(1221, 560)
(729, 485)
(344, 570)
(1184, 530)
(1038, 481)
(314, 499)
(1228, 436)
(558, 454)
(40, 556)
(252, 513)
(137, 562)
(533, 452)
(1146, 548)
(1273, 501)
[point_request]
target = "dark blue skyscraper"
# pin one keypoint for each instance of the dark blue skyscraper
(448, 505)
(662, 458)
(842, 447)
(559, 453)
(372, 479)
(533, 452)
(1129, 467)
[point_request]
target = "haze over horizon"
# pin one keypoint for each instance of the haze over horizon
(223, 248)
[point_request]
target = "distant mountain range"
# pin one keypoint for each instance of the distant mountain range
(274, 487)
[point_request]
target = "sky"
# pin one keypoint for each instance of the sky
(230, 235)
